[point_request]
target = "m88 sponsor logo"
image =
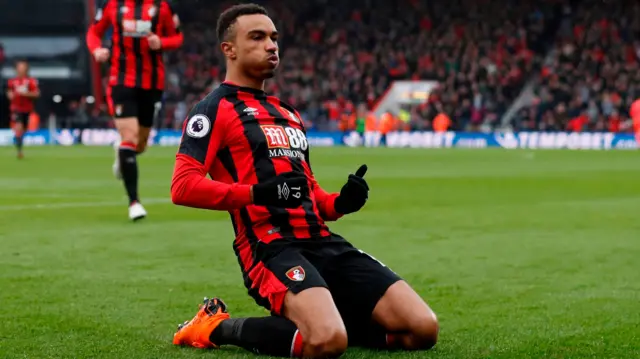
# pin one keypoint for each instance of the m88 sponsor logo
(285, 141)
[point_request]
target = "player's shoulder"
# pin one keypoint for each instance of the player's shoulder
(214, 110)
(216, 105)
(169, 5)
(102, 4)
(288, 107)
(103, 7)
(220, 96)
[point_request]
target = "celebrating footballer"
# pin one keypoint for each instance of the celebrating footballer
(323, 293)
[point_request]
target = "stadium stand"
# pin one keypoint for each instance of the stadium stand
(340, 56)
(591, 75)
(552, 65)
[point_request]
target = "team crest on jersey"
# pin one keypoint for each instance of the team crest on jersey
(293, 116)
(198, 126)
(296, 274)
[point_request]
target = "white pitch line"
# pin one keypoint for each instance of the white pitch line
(79, 204)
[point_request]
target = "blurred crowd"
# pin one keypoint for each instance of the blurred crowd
(338, 56)
(592, 75)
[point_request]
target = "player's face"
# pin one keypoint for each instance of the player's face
(257, 45)
(22, 68)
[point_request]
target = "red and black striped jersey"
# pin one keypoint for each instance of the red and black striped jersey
(20, 86)
(133, 62)
(240, 137)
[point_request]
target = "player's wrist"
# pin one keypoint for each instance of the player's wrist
(244, 194)
(350, 200)
(339, 205)
(285, 190)
(97, 53)
(330, 207)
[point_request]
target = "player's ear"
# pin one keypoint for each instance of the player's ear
(229, 50)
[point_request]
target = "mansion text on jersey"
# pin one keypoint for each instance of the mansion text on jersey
(282, 152)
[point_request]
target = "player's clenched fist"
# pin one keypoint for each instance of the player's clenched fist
(154, 41)
(101, 54)
(285, 190)
(354, 193)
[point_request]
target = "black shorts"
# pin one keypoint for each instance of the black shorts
(355, 279)
(134, 102)
(21, 117)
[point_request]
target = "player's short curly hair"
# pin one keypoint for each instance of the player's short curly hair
(229, 17)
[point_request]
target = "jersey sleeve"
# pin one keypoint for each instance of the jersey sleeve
(33, 85)
(324, 200)
(9, 92)
(171, 37)
(101, 23)
(202, 136)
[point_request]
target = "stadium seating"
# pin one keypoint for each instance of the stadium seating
(591, 75)
(549, 65)
(338, 54)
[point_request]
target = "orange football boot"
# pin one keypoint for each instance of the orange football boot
(196, 332)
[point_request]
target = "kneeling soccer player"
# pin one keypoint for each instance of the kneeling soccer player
(323, 293)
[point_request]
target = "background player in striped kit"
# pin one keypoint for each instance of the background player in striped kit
(142, 30)
(22, 91)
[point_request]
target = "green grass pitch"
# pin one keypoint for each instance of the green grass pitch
(522, 254)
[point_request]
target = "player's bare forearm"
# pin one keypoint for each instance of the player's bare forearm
(32, 94)
(10, 95)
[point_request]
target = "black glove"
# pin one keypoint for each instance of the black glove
(354, 193)
(285, 190)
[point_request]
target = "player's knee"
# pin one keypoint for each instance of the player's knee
(141, 147)
(424, 332)
(128, 133)
(129, 139)
(328, 343)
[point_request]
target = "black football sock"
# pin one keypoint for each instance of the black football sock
(275, 336)
(375, 337)
(129, 169)
(19, 142)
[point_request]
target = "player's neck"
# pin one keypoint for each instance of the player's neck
(244, 81)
